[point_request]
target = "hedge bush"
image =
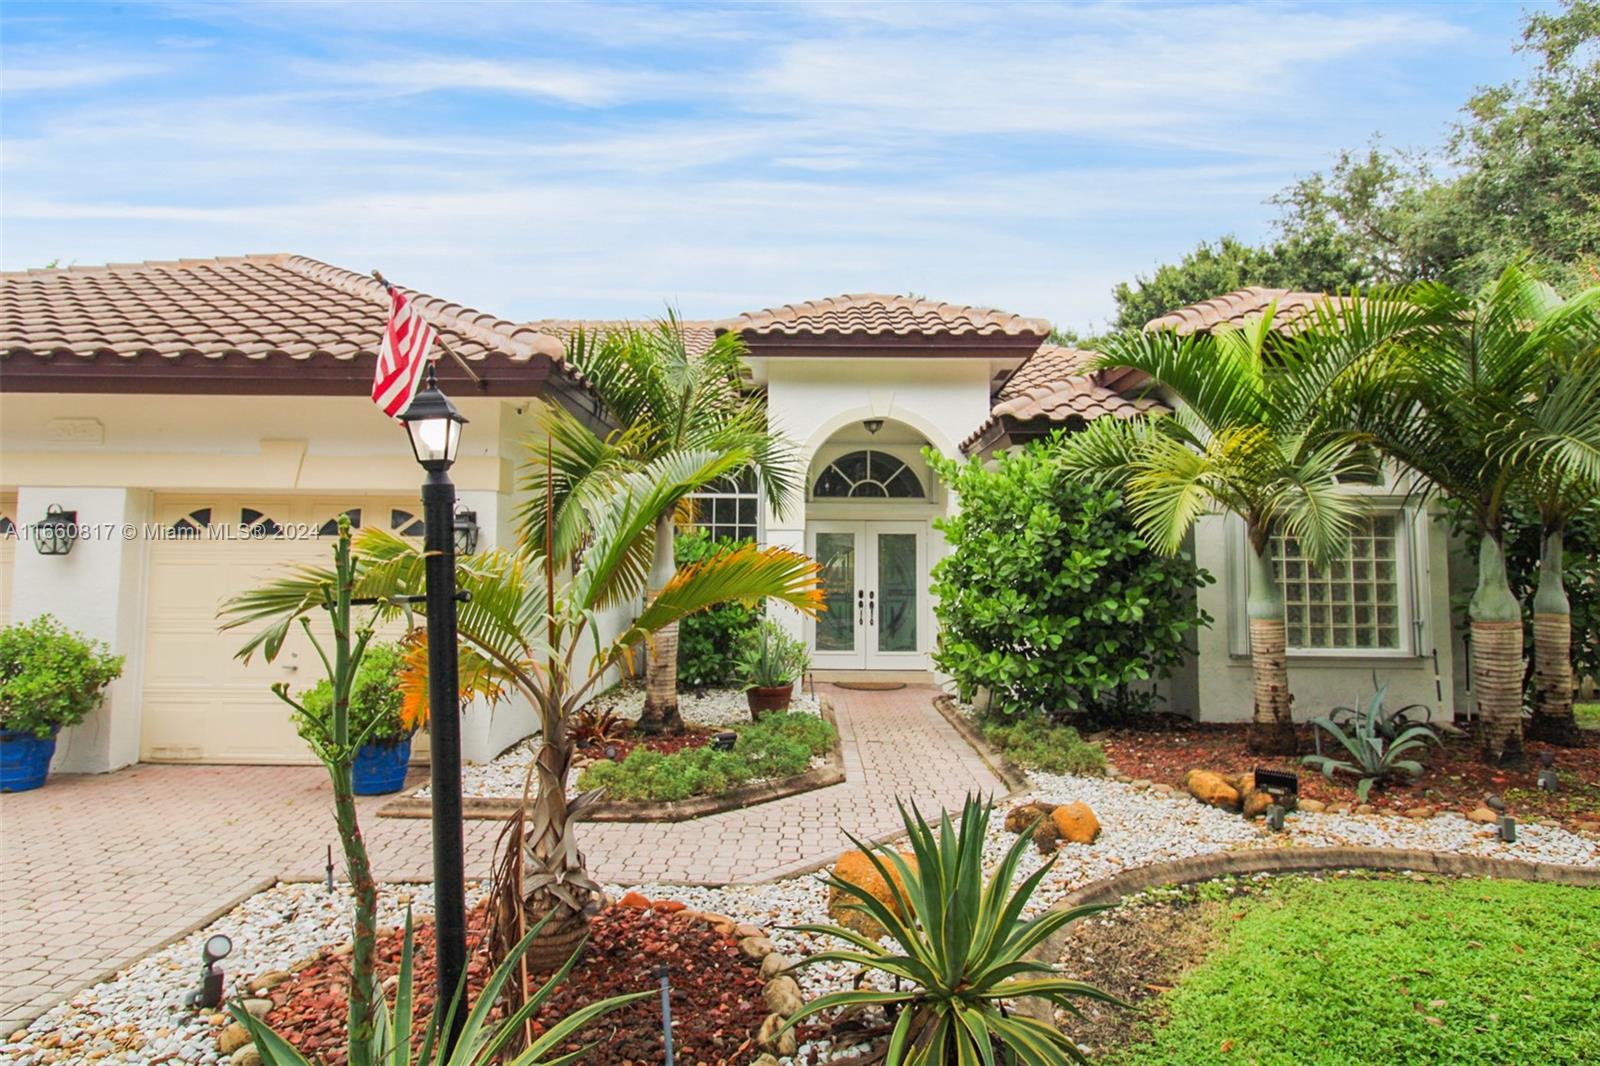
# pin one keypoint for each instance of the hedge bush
(50, 676)
(709, 640)
(1035, 743)
(1048, 598)
(780, 745)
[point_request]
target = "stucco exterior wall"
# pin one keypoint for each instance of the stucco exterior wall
(1321, 681)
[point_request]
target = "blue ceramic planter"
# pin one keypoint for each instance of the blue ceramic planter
(24, 760)
(380, 767)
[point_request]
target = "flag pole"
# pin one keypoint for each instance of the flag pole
(438, 337)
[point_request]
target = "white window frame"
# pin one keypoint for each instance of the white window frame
(758, 532)
(1409, 537)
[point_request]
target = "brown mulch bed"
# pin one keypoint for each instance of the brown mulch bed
(716, 992)
(1135, 953)
(617, 749)
(1454, 778)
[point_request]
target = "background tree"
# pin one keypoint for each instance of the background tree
(1048, 597)
(1249, 435)
(667, 403)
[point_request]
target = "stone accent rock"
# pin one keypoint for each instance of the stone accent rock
(1483, 816)
(720, 922)
(1022, 817)
(1420, 812)
(1311, 806)
(854, 867)
(782, 996)
(756, 947)
(763, 1059)
(234, 1037)
(1076, 822)
(258, 1007)
(245, 1056)
(742, 931)
(773, 965)
(1141, 783)
(1045, 837)
(1364, 808)
(637, 900)
(1212, 789)
(266, 982)
(782, 1044)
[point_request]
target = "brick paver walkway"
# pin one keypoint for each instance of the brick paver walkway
(97, 871)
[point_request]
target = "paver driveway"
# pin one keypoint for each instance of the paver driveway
(96, 871)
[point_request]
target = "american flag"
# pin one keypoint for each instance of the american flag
(401, 356)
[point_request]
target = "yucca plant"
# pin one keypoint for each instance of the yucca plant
(1376, 740)
(960, 954)
(393, 1042)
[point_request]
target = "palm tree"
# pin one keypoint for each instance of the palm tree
(1556, 440)
(541, 637)
(666, 402)
(1249, 435)
(1476, 404)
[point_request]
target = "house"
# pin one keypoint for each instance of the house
(218, 410)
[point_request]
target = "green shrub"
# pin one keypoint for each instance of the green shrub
(375, 701)
(780, 745)
(50, 676)
(1048, 598)
(708, 640)
(1035, 743)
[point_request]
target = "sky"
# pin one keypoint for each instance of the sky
(610, 160)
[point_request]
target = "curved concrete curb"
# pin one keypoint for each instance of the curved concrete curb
(1007, 771)
(498, 808)
(1199, 868)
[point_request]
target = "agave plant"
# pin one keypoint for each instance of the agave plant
(960, 953)
(393, 1041)
(1375, 739)
(1386, 723)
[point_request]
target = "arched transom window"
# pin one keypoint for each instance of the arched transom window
(869, 474)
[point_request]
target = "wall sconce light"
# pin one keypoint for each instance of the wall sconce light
(872, 425)
(55, 533)
(466, 531)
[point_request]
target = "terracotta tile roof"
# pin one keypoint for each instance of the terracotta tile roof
(1052, 387)
(1236, 308)
(878, 315)
(697, 333)
(259, 307)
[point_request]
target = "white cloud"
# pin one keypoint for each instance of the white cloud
(67, 75)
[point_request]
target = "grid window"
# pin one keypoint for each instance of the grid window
(1355, 603)
(728, 509)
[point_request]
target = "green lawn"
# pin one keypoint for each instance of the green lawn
(1362, 969)
(1588, 714)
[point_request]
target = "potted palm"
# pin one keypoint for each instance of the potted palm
(771, 661)
(49, 677)
(378, 722)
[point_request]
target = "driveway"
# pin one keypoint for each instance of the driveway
(99, 870)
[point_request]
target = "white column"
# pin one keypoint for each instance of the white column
(488, 730)
(97, 589)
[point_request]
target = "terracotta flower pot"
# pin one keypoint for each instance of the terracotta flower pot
(765, 699)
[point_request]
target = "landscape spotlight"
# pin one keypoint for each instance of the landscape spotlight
(724, 741)
(1280, 785)
(1547, 779)
(209, 994)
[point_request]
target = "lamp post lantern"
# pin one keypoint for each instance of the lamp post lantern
(434, 426)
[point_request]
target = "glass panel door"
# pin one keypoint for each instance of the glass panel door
(896, 605)
(835, 552)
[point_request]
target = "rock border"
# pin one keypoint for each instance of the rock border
(498, 808)
(1009, 773)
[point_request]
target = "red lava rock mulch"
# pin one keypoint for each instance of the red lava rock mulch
(692, 737)
(1454, 778)
(716, 992)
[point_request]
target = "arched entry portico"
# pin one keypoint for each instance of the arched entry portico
(870, 503)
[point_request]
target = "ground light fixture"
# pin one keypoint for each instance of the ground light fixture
(56, 532)
(216, 948)
(724, 741)
(1547, 779)
(1280, 785)
(434, 427)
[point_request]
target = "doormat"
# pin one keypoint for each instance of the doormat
(870, 686)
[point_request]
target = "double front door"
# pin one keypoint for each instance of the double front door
(874, 576)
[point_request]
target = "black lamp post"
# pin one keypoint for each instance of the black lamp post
(434, 426)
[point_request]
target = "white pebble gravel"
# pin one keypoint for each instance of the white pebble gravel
(134, 1018)
(505, 775)
(137, 1016)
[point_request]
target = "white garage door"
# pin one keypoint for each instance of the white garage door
(8, 554)
(200, 703)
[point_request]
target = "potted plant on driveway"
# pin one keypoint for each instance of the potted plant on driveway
(771, 661)
(49, 677)
(377, 720)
